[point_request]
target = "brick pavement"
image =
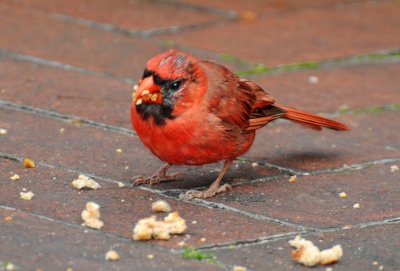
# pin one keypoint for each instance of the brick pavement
(66, 73)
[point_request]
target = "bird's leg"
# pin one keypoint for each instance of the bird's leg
(214, 188)
(159, 176)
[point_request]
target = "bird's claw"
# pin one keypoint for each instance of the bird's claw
(191, 194)
(138, 180)
(157, 178)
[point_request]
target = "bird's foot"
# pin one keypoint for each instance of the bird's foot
(210, 192)
(157, 178)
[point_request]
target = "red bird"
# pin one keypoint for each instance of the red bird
(194, 112)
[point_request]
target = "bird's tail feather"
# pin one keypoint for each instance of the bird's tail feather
(311, 120)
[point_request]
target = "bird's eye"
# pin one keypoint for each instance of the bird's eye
(176, 85)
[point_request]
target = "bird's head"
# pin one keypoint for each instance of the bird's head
(164, 88)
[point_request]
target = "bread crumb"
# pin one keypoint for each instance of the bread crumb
(150, 256)
(306, 252)
(331, 255)
(62, 130)
(26, 195)
(203, 239)
(112, 255)
(239, 268)
(343, 195)
(375, 263)
(69, 269)
(9, 266)
(329, 269)
(194, 222)
(3, 131)
(91, 216)
(144, 228)
(293, 179)
(254, 164)
(29, 163)
(380, 267)
(148, 228)
(15, 177)
(181, 243)
(309, 255)
(160, 206)
(394, 168)
(121, 184)
(313, 79)
(118, 150)
(85, 182)
(8, 218)
(356, 206)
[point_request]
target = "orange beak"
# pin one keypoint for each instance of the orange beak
(147, 92)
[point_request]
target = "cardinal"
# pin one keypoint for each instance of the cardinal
(188, 111)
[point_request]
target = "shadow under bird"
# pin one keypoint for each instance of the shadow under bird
(188, 111)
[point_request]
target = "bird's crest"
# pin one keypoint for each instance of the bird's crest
(171, 64)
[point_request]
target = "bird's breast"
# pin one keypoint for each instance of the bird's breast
(193, 138)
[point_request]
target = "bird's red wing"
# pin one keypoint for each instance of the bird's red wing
(228, 98)
(263, 99)
(236, 101)
(264, 109)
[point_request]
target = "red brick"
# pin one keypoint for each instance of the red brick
(355, 86)
(88, 96)
(54, 186)
(34, 243)
(361, 248)
(34, 33)
(130, 15)
(314, 201)
(306, 35)
(291, 145)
